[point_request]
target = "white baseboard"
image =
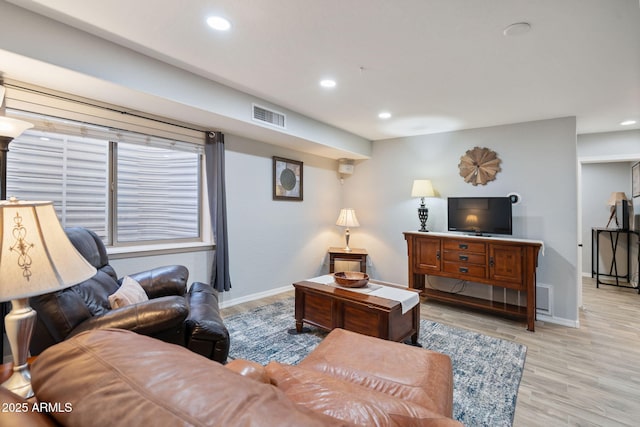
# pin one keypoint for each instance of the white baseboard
(276, 291)
(558, 320)
(252, 297)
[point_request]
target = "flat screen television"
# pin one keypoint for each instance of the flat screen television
(480, 215)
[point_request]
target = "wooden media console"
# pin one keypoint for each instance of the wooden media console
(506, 263)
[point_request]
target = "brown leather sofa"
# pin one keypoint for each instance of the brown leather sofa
(119, 378)
(172, 314)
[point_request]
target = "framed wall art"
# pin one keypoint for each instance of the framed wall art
(287, 179)
(635, 180)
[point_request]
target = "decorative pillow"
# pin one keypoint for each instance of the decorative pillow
(130, 292)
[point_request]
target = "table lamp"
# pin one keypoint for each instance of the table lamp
(617, 197)
(36, 258)
(422, 188)
(347, 218)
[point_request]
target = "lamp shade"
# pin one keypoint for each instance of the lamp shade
(422, 188)
(13, 128)
(348, 218)
(615, 197)
(36, 257)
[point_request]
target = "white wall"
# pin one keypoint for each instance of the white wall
(538, 162)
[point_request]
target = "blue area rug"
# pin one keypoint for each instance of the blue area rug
(486, 370)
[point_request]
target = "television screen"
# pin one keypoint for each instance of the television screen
(480, 215)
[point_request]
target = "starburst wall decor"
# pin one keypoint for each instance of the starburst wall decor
(479, 166)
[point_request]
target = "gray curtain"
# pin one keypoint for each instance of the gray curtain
(214, 160)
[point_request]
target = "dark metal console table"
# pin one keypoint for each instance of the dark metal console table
(615, 235)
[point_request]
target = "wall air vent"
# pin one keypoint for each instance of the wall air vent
(269, 117)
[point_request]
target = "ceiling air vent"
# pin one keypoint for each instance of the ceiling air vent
(269, 117)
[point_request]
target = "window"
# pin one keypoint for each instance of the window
(157, 193)
(127, 187)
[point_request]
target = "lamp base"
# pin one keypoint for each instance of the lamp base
(19, 326)
(20, 382)
(423, 215)
(346, 238)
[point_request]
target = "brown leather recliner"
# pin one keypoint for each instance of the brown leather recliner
(172, 314)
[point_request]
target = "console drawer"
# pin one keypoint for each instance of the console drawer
(464, 245)
(465, 271)
(465, 257)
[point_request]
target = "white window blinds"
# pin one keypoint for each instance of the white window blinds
(127, 187)
(157, 193)
(71, 171)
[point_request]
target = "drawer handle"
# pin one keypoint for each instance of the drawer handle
(491, 263)
(463, 246)
(438, 255)
(463, 258)
(464, 270)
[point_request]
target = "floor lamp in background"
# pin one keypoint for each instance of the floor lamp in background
(9, 129)
(36, 258)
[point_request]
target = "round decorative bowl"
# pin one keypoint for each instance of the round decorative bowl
(351, 279)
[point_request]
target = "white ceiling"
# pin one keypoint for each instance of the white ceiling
(436, 65)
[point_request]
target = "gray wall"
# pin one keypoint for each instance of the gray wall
(599, 180)
(608, 145)
(606, 159)
(538, 162)
(275, 243)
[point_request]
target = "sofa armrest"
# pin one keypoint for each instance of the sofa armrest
(249, 369)
(116, 377)
(147, 318)
(163, 281)
(205, 331)
(17, 411)
(204, 312)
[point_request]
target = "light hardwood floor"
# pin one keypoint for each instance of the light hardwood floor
(573, 377)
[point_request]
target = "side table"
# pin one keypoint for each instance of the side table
(355, 254)
(625, 243)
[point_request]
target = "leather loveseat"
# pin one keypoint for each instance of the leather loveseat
(172, 314)
(118, 378)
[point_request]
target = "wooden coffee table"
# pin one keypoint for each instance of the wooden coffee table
(328, 307)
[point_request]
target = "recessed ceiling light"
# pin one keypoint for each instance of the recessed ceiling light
(328, 83)
(517, 29)
(628, 122)
(218, 23)
(384, 115)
